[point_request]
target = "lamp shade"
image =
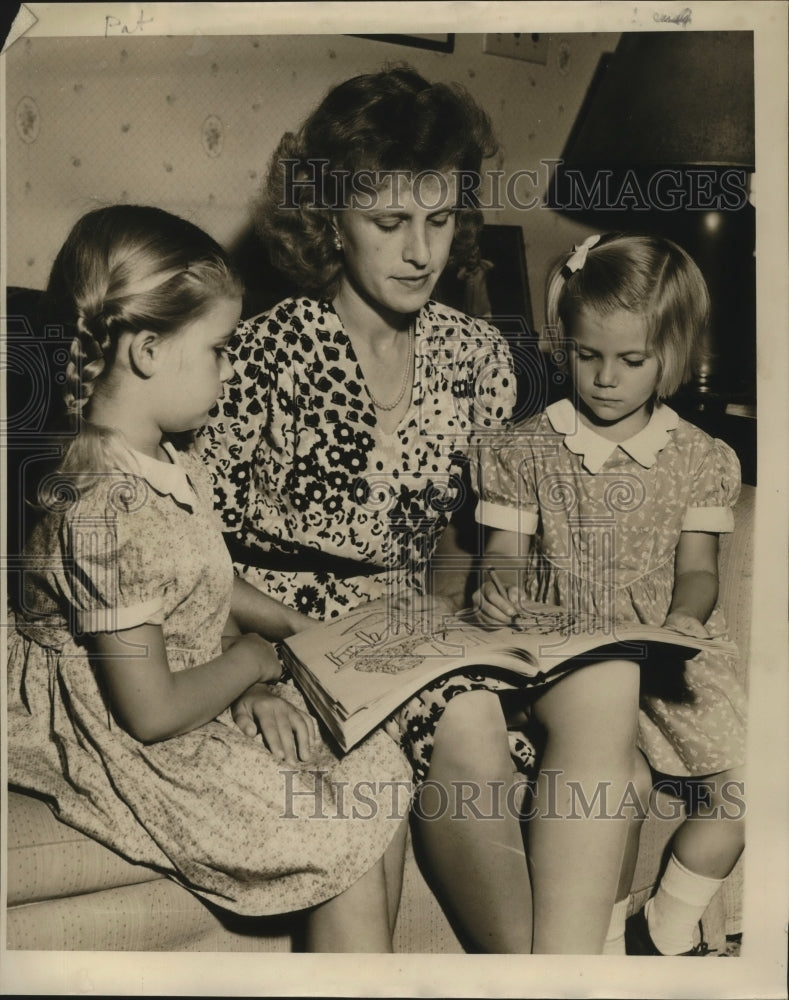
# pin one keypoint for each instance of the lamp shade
(664, 143)
(670, 99)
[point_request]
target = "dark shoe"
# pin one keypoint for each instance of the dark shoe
(639, 942)
(733, 945)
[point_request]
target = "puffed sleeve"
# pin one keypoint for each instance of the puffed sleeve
(228, 441)
(490, 376)
(115, 577)
(714, 491)
(506, 496)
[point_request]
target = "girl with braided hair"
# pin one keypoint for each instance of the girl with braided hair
(134, 638)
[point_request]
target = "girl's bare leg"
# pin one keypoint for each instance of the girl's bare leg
(711, 839)
(394, 862)
(355, 921)
(576, 852)
(705, 849)
(469, 831)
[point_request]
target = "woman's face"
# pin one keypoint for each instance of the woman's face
(396, 240)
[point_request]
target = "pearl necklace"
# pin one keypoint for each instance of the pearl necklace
(386, 407)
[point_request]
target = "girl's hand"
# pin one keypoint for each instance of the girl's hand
(290, 734)
(495, 604)
(685, 623)
(263, 653)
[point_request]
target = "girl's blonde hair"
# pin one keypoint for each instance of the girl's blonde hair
(125, 268)
(647, 275)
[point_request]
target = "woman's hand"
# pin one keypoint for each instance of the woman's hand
(290, 734)
(686, 624)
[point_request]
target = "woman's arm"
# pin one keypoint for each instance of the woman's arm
(152, 703)
(695, 582)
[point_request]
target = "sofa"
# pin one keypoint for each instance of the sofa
(66, 892)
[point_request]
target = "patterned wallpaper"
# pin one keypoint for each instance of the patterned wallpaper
(188, 123)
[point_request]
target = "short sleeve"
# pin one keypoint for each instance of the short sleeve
(493, 378)
(228, 441)
(483, 379)
(506, 497)
(115, 577)
(714, 491)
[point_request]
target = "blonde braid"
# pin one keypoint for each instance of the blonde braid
(94, 447)
(88, 360)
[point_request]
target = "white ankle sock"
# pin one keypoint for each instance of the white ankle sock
(615, 938)
(674, 911)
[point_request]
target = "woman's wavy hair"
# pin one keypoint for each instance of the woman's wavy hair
(384, 122)
(124, 268)
(647, 275)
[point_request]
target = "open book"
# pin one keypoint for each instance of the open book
(357, 669)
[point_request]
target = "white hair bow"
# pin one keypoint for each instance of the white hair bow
(577, 258)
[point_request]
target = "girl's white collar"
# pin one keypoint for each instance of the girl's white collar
(167, 478)
(596, 450)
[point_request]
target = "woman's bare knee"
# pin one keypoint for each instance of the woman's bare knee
(471, 736)
(600, 699)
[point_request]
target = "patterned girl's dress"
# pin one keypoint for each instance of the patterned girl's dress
(607, 520)
(211, 808)
(326, 511)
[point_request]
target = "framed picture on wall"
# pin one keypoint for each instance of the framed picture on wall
(498, 291)
(437, 42)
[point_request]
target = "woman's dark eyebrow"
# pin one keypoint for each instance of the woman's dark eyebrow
(396, 213)
(401, 213)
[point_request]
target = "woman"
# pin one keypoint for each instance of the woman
(338, 450)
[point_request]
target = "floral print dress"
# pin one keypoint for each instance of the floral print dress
(323, 510)
(211, 808)
(606, 520)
